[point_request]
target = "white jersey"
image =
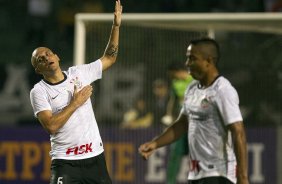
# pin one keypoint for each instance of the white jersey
(209, 111)
(79, 138)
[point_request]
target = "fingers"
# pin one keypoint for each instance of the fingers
(86, 91)
(145, 150)
(142, 152)
(117, 13)
(118, 7)
(75, 89)
(80, 97)
(87, 88)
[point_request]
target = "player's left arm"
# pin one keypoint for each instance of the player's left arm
(111, 51)
(240, 147)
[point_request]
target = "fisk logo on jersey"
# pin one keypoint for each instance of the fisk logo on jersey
(77, 150)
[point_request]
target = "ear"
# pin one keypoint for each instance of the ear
(210, 60)
(57, 57)
(37, 71)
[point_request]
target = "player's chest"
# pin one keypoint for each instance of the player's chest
(61, 95)
(200, 104)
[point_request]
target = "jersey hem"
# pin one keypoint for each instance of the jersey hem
(211, 175)
(79, 158)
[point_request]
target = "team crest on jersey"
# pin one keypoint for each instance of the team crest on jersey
(205, 103)
(76, 82)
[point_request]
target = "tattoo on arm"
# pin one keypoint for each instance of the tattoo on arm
(112, 50)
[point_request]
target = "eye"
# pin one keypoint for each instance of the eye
(40, 60)
(49, 53)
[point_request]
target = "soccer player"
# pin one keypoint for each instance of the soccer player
(211, 115)
(61, 102)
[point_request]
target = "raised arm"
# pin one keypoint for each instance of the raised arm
(111, 51)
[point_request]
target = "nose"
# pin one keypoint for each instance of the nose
(45, 60)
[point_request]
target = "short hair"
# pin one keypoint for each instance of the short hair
(213, 46)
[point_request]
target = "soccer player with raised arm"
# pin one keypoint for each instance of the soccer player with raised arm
(61, 102)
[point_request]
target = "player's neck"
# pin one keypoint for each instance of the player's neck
(55, 77)
(209, 79)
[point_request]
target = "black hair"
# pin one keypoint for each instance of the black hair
(213, 46)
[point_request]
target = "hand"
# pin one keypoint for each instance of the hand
(145, 150)
(117, 14)
(80, 97)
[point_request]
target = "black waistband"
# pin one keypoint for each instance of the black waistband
(78, 161)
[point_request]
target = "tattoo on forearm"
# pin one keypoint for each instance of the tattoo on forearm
(112, 50)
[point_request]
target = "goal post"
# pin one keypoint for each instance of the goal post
(210, 22)
(149, 42)
(152, 40)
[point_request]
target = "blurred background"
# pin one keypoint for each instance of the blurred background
(132, 98)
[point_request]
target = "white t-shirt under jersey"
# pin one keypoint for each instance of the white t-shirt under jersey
(79, 138)
(209, 111)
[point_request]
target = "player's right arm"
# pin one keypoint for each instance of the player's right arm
(171, 134)
(53, 122)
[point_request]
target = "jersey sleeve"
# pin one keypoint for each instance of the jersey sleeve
(183, 110)
(39, 101)
(228, 105)
(91, 71)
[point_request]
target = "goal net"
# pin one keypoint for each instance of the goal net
(251, 59)
(250, 45)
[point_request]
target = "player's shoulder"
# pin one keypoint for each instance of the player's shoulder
(72, 70)
(223, 85)
(221, 81)
(191, 87)
(76, 69)
(85, 65)
(37, 88)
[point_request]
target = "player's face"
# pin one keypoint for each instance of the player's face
(45, 60)
(196, 62)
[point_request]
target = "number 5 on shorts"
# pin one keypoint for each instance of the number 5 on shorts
(60, 180)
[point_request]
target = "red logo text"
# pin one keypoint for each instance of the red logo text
(77, 150)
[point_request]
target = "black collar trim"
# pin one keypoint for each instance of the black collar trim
(202, 87)
(65, 78)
